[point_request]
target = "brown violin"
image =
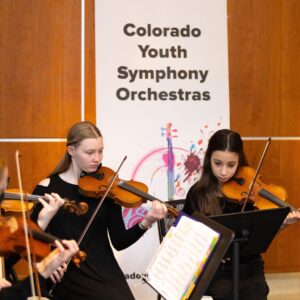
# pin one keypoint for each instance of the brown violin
(125, 193)
(12, 203)
(12, 239)
(263, 196)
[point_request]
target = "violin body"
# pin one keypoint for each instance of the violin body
(95, 186)
(125, 193)
(263, 196)
(12, 205)
(13, 238)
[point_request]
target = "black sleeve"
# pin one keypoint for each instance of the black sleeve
(39, 190)
(188, 208)
(121, 237)
(9, 262)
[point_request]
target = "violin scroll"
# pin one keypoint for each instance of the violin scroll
(72, 206)
(79, 257)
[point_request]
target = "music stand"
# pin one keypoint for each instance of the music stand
(223, 245)
(254, 232)
(212, 264)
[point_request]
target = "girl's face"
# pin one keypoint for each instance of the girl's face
(88, 155)
(224, 165)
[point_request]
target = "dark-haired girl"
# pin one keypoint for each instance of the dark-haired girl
(224, 155)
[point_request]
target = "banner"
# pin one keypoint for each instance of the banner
(162, 90)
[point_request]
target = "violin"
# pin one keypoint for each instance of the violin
(125, 193)
(12, 239)
(263, 196)
(12, 203)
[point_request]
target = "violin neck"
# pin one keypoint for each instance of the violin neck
(44, 237)
(267, 195)
(16, 196)
(147, 196)
(135, 191)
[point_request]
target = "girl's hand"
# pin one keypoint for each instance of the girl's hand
(54, 265)
(4, 283)
(49, 210)
(157, 212)
(292, 217)
(58, 274)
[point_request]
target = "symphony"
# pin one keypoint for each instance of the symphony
(161, 74)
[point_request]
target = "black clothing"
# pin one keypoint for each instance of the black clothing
(9, 262)
(252, 282)
(21, 290)
(99, 276)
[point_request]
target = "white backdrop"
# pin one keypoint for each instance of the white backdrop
(162, 89)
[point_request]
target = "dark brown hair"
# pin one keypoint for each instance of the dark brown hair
(204, 194)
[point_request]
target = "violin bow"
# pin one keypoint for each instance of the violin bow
(100, 202)
(2, 265)
(33, 291)
(256, 173)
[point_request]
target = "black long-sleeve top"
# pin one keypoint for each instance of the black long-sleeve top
(99, 276)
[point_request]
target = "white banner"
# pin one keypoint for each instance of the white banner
(162, 89)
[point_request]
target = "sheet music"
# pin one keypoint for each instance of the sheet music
(181, 258)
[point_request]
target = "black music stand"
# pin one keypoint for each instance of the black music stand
(226, 237)
(254, 232)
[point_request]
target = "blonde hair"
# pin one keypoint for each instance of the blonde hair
(77, 133)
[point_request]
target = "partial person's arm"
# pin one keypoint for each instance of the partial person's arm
(45, 210)
(121, 237)
(45, 268)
